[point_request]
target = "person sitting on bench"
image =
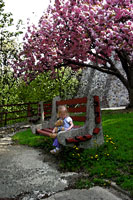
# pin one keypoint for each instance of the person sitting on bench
(64, 123)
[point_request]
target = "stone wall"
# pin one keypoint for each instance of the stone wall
(113, 92)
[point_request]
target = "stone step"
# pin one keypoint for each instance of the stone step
(5, 141)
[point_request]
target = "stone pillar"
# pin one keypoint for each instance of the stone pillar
(42, 111)
(54, 111)
(86, 82)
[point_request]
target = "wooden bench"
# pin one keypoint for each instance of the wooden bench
(85, 110)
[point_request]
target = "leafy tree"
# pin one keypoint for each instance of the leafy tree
(8, 50)
(8, 87)
(78, 32)
(43, 87)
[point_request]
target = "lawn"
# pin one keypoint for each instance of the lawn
(112, 161)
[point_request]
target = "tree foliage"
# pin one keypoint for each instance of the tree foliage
(8, 50)
(73, 33)
(43, 88)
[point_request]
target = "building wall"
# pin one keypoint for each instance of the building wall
(113, 92)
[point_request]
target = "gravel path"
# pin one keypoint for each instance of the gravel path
(22, 170)
(29, 174)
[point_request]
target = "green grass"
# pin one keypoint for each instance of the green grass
(27, 138)
(112, 161)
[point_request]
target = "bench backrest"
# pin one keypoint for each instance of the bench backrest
(76, 108)
(47, 109)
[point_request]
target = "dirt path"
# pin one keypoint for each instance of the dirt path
(29, 174)
(22, 170)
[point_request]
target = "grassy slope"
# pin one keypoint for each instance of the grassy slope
(111, 161)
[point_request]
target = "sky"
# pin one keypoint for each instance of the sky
(23, 9)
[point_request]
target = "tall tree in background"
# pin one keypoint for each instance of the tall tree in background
(8, 50)
(73, 33)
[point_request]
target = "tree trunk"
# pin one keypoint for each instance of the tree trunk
(130, 98)
(130, 89)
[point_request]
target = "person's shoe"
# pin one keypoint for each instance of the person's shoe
(55, 151)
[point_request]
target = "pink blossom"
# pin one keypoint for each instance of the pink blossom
(70, 30)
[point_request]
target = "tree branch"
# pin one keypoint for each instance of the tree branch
(101, 69)
(80, 64)
(123, 62)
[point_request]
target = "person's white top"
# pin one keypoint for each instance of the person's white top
(68, 119)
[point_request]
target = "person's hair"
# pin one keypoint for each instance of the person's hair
(62, 108)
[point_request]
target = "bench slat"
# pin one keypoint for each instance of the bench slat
(47, 104)
(43, 132)
(47, 113)
(79, 139)
(48, 130)
(79, 118)
(72, 101)
(48, 107)
(78, 109)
